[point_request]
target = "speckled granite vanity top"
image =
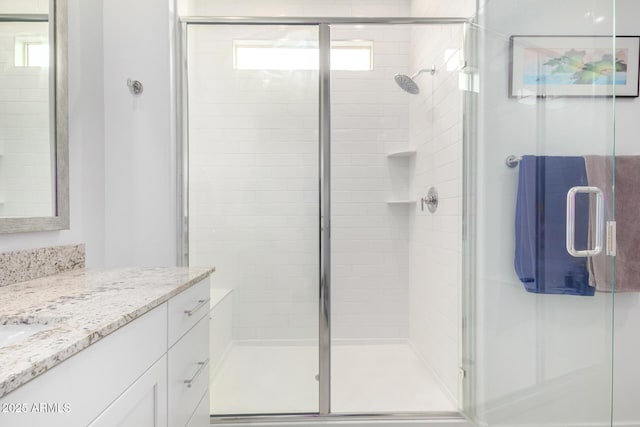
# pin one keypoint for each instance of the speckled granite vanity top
(80, 307)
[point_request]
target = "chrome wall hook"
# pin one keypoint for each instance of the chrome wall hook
(512, 161)
(135, 86)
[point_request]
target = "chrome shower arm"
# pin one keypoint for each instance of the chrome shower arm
(431, 70)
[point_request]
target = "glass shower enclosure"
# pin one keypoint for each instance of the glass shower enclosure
(540, 181)
(306, 160)
(314, 149)
(254, 206)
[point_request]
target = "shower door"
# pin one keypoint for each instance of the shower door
(254, 211)
(265, 105)
(539, 163)
(396, 132)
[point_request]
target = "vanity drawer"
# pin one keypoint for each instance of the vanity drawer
(187, 308)
(188, 373)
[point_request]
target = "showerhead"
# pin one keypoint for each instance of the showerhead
(407, 83)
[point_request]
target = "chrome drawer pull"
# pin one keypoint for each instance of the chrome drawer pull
(198, 372)
(198, 306)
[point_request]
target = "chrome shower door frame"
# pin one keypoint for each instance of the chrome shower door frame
(324, 146)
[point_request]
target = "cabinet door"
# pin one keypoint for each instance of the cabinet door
(143, 404)
(83, 386)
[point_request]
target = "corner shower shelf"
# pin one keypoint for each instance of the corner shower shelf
(401, 202)
(405, 153)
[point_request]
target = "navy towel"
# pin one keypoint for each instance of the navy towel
(541, 258)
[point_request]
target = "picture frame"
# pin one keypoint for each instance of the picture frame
(573, 66)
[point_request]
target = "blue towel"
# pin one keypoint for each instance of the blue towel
(541, 259)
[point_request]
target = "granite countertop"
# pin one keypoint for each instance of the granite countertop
(81, 306)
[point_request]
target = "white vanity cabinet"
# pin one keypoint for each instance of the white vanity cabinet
(188, 354)
(151, 372)
(142, 404)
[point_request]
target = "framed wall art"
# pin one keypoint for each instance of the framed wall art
(574, 66)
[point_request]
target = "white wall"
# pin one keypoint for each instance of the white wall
(545, 359)
(439, 8)
(369, 119)
(139, 155)
(85, 139)
(122, 173)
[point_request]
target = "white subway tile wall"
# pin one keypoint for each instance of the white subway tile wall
(26, 178)
(435, 239)
(254, 205)
(254, 188)
(253, 142)
(370, 118)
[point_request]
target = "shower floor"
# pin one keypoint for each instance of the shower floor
(261, 378)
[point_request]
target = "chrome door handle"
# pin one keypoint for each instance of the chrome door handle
(201, 365)
(197, 307)
(571, 221)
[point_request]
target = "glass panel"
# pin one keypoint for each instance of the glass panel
(627, 284)
(395, 265)
(254, 214)
(542, 320)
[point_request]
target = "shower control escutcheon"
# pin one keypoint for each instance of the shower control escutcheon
(431, 201)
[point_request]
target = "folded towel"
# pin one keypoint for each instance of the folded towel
(627, 206)
(542, 262)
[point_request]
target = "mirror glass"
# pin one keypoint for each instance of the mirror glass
(26, 165)
(33, 170)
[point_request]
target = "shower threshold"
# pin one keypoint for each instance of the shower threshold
(370, 378)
